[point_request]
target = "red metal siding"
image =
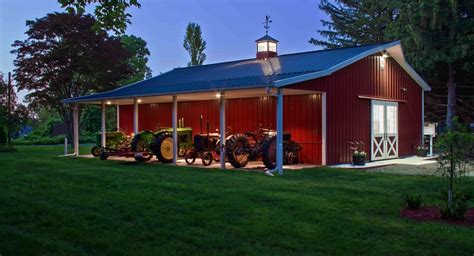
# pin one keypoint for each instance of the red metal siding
(348, 116)
(302, 117)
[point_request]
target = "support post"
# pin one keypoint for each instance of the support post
(222, 129)
(279, 139)
(174, 122)
(324, 128)
(103, 130)
(75, 123)
(422, 118)
(118, 117)
(135, 116)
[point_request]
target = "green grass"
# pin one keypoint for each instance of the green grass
(52, 205)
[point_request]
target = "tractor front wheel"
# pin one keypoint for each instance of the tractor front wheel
(207, 158)
(103, 155)
(190, 157)
(95, 151)
(163, 148)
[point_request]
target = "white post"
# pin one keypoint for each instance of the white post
(279, 139)
(104, 130)
(75, 129)
(324, 128)
(431, 145)
(174, 122)
(135, 116)
(422, 118)
(118, 117)
(222, 129)
(65, 146)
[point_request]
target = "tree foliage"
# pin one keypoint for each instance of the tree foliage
(63, 57)
(354, 22)
(13, 115)
(455, 145)
(437, 38)
(194, 44)
(138, 59)
(110, 14)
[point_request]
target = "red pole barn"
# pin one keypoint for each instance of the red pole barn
(326, 99)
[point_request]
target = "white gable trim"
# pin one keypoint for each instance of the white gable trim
(393, 48)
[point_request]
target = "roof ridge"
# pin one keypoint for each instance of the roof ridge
(286, 54)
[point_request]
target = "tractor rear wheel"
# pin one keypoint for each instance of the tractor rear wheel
(163, 148)
(237, 150)
(95, 151)
(269, 152)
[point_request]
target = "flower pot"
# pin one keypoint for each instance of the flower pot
(421, 153)
(358, 160)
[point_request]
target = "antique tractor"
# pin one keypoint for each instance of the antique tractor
(261, 144)
(146, 144)
(205, 145)
(117, 144)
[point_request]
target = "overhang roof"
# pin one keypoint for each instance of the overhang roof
(266, 38)
(279, 71)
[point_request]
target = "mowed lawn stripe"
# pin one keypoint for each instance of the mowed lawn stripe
(53, 205)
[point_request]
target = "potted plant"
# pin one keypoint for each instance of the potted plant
(420, 151)
(358, 153)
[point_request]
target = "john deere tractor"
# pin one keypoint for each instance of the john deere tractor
(160, 143)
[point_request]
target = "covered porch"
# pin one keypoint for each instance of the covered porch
(180, 103)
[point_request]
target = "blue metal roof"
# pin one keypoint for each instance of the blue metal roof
(266, 38)
(241, 74)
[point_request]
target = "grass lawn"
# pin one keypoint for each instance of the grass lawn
(52, 205)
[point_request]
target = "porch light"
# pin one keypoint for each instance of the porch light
(109, 103)
(218, 95)
(139, 101)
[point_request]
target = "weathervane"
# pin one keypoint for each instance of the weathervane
(266, 24)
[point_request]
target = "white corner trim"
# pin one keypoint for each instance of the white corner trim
(324, 129)
(390, 47)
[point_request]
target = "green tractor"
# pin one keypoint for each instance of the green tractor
(146, 144)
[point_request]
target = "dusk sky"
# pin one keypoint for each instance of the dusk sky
(229, 27)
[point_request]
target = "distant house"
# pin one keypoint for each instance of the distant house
(329, 98)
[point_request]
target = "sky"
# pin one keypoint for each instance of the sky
(230, 27)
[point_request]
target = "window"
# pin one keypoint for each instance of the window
(272, 47)
(262, 47)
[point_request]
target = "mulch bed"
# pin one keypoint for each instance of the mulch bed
(433, 213)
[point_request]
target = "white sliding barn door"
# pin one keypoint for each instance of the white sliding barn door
(384, 141)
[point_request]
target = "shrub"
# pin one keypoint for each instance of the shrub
(457, 208)
(412, 201)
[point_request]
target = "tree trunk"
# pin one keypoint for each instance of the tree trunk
(451, 111)
(451, 178)
(9, 110)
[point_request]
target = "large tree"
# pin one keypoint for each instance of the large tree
(437, 38)
(13, 115)
(194, 44)
(138, 59)
(354, 22)
(64, 57)
(110, 14)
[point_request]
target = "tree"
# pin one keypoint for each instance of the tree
(194, 44)
(63, 58)
(138, 59)
(438, 36)
(455, 144)
(354, 22)
(110, 14)
(13, 116)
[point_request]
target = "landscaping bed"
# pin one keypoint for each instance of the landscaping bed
(433, 213)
